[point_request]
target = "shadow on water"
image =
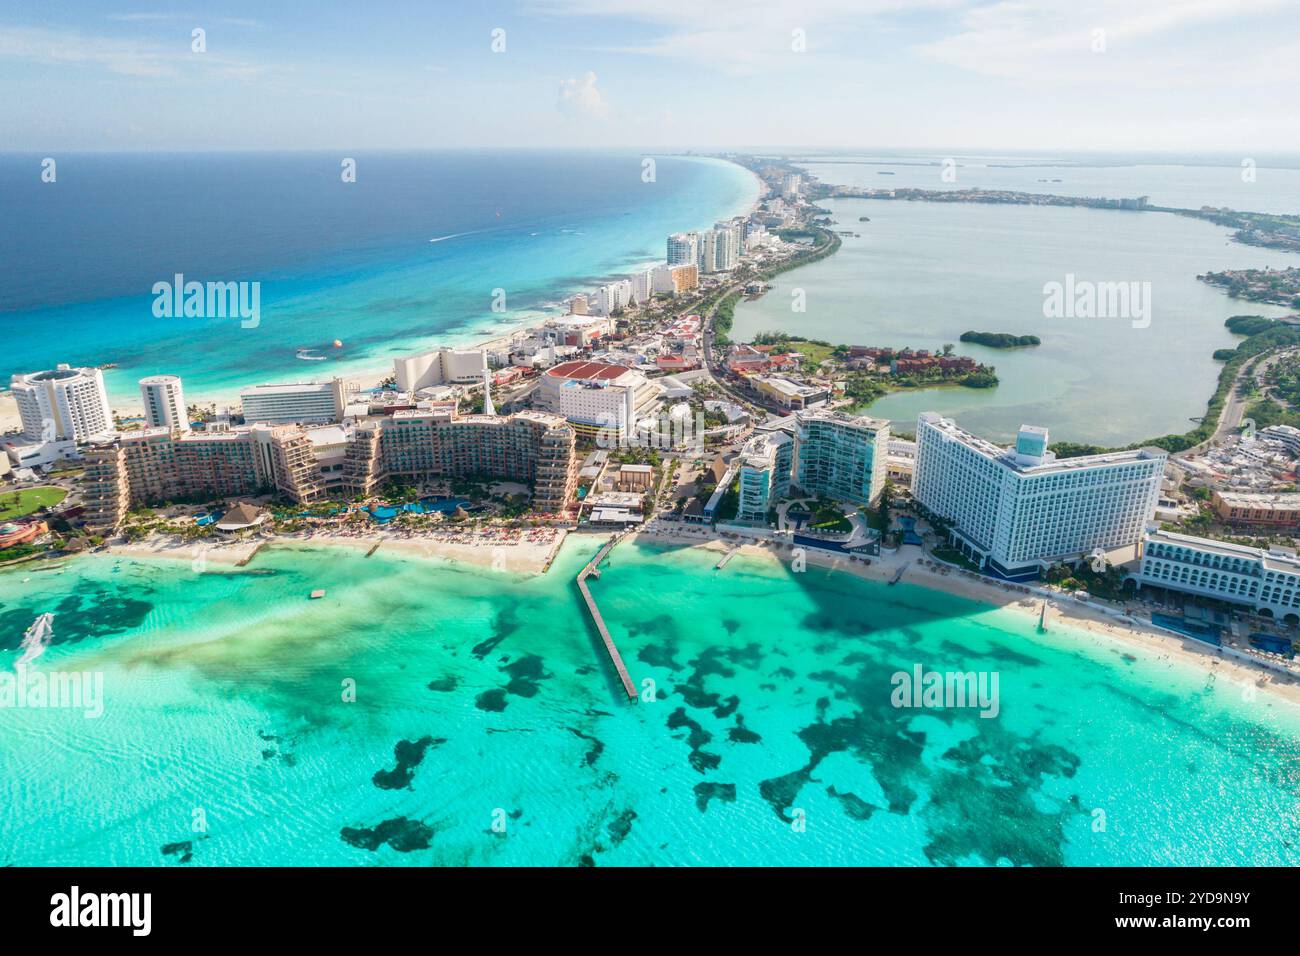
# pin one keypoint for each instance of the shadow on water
(993, 796)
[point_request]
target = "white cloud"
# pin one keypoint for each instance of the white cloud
(580, 98)
(124, 57)
(743, 38)
(1147, 43)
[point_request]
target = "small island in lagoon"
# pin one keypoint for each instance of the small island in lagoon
(1001, 340)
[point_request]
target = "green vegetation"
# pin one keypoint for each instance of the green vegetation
(829, 517)
(730, 503)
(814, 351)
(1248, 324)
(17, 504)
(952, 556)
(1001, 340)
(722, 319)
(1107, 584)
(798, 235)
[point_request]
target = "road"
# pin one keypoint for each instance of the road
(719, 378)
(1234, 409)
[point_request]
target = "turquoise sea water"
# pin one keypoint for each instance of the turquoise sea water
(486, 728)
(409, 256)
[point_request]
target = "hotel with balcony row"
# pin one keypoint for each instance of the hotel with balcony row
(1014, 510)
(302, 464)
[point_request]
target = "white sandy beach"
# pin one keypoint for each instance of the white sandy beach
(516, 557)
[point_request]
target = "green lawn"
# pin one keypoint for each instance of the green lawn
(953, 556)
(16, 504)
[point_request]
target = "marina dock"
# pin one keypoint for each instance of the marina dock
(614, 656)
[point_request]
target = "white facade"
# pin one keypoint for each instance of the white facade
(1017, 508)
(643, 286)
(63, 404)
(729, 244)
(439, 367)
(613, 296)
(1287, 435)
(600, 400)
(301, 402)
(1266, 581)
(164, 402)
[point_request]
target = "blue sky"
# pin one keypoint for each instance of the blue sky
(1118, 75)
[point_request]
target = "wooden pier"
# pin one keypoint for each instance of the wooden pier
(722, 561)
(614, 656)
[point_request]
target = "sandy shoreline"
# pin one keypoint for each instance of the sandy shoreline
(514, 557)
(1104, 630)
(1089, 623)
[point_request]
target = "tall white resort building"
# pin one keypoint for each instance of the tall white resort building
(63, 404)
(439, 367)
(164, 402)
(602, 401)
(1017, 509)
(295, 402)
(613, 296)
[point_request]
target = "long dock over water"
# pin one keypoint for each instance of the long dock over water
(614, 656)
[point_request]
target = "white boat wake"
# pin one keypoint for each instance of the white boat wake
(36, 640)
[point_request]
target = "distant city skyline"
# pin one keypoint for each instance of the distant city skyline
(1126, 76)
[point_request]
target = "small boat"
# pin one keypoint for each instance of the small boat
(317, 594)
(307, 355)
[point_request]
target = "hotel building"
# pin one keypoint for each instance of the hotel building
(423, 444)
(841, 456)
(614, 296)
(63, 404)
(819, 452)
(1268, 582)
(601, 401)
(674, 279)
(158, 465)
(441, 367)
(1016, 509)
(683, 248)
(765, 466)
(1258, 510)
(297, 403)
(164, 402)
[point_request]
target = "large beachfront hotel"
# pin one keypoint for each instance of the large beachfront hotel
(1014, 510)
(156, 465)
(1268, 582)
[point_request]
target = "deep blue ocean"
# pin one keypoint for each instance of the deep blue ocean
(406, 257)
